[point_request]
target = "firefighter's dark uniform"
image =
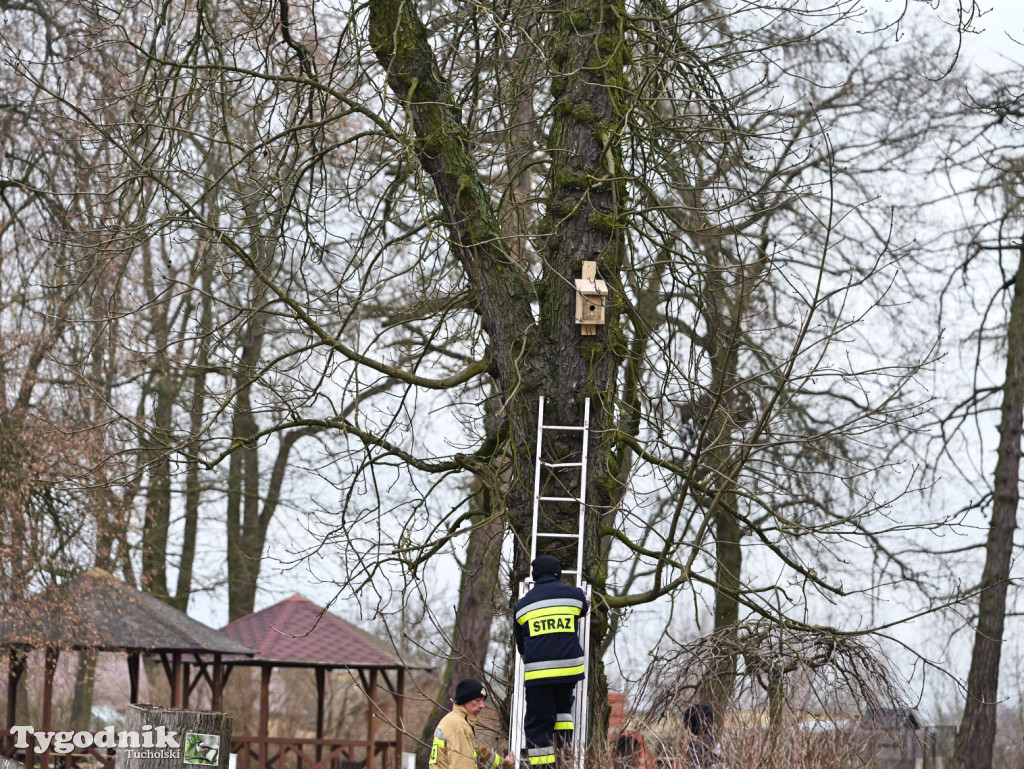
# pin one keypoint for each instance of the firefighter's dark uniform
(545, 627)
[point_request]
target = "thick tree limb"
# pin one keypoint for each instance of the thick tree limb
(400, 40)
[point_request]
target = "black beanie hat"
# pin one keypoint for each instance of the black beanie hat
(547, 564)
(469, 689)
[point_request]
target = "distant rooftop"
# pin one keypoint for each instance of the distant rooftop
(296, 632)
(97, 611)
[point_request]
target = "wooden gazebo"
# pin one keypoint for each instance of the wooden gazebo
(296, 633)
(97, 612)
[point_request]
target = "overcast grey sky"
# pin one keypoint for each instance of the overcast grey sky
(996, 46)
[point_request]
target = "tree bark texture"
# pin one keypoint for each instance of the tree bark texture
(245, 543)
(719, 413)
(474, 617)
(85, 679)
(716, 689)
(157, 522)
(182, 722)
(161, 389)
(975, 739)
(543, 355)
(477, 598)
(193, 478)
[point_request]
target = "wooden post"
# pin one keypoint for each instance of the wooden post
(15, 667)
(210, 732)
(399, 717)
(186, 687)
(217, 684)
(264, 716)
(176, 680)
(371, 719)
(133, 677)
(50, 666)
(321, 680)
(30, 751)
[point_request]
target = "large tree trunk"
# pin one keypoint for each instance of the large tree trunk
(243, 557)
(156, 440)
(245, 545)
(157, 521)
(193, 476)
(477, 608)
(776, 718)
(716, 688)
(584, 222)
(474, 616)
(547, 354)
(85, 679)
(721, 413)
(976, 737)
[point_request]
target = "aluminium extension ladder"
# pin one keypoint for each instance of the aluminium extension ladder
(517, 739)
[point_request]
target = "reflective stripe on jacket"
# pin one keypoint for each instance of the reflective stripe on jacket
(455, 745)
(546, 631)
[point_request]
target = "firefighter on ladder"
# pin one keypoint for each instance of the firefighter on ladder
(546, 632)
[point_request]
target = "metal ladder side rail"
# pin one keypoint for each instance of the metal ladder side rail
(581, 500)
(579, 712)
(517, 738)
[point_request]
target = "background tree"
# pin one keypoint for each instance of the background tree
(365, 228)
(987, 288)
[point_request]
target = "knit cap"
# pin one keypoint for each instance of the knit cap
(547, 564)
(469, 689)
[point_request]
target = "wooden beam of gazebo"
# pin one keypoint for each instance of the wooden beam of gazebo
(297, 633)
(98, 612)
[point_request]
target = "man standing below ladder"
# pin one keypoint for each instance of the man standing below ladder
(455, 745)
(546, 626)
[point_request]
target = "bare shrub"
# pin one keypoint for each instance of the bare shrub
(796, 702)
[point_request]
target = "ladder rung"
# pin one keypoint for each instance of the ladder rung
(559, 536)
(562, 464)
(562, 427)
(558, 499)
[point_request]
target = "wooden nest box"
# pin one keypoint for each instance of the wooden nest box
(590, 299)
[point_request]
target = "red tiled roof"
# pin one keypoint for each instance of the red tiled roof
(296, 631)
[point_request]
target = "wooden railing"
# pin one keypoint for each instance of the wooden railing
(297, 753)
(252, 753)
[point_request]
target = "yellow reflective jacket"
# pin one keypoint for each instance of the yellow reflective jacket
(455, 745)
